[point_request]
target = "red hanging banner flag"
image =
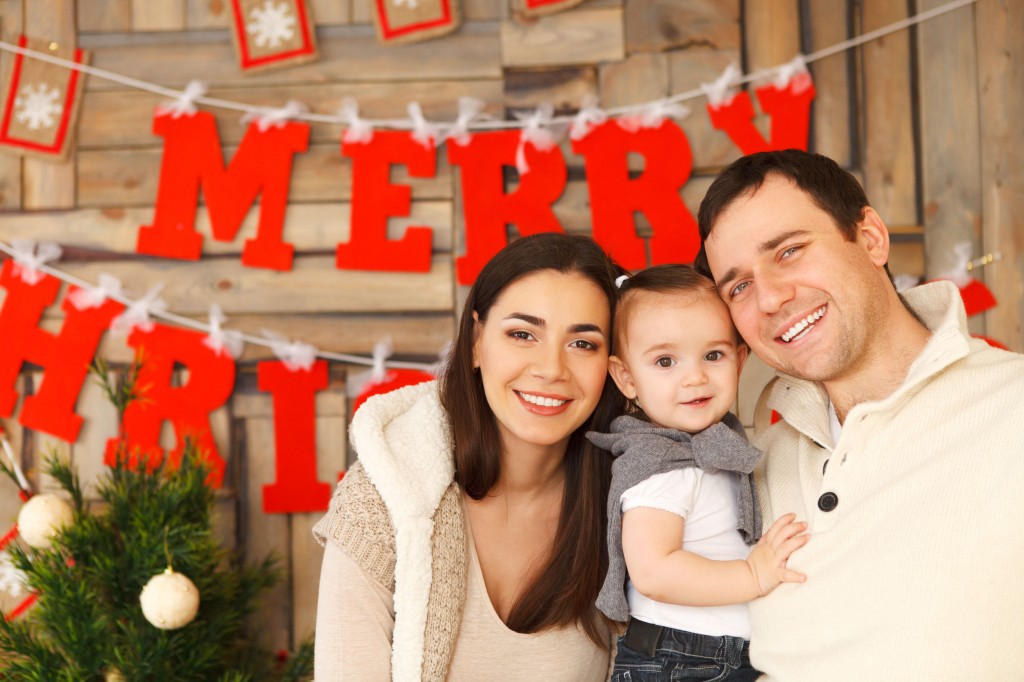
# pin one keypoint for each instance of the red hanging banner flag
(534, 8)
(271, 34)
(789, 108)
(296, 487)
(616, 197)
(41, 102)
(489, 209)
(410, 21)
(260, 168)
(210, 383)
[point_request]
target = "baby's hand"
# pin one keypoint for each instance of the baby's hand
(768, 559)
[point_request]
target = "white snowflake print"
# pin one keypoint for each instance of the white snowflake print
(271, 25)
(37, 105)
(411, 4)
(12, 580)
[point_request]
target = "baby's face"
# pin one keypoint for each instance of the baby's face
(681, 359)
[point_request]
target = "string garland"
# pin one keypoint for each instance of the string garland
(469, 119)
(344, 117)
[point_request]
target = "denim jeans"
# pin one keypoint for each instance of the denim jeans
(668, 654)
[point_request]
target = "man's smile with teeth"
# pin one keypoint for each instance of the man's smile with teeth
(540, 400)
(801, 327)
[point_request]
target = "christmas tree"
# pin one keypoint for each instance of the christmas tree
(140, 589)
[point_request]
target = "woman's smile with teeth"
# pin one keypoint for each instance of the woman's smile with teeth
(540, 400)
(801, 327)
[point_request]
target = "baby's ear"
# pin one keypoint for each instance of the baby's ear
(623, 379)
(742, 352)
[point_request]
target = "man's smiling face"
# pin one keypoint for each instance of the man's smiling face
(808, 301)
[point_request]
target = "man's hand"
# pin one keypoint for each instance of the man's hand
(768, 559)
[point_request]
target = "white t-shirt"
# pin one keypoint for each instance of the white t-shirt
(708, 503)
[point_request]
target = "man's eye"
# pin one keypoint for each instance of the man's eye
(664, 361)
(736, 290)
(789, 252)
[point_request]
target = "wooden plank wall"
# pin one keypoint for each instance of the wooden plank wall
(928, 118)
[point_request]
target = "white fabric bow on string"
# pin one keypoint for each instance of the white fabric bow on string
(219, 340)
(29, 257)
(957, 271)
(295, 355)
(469, 111)
(654, 114)
(94, 297)
(423, 131)
(721, 92)
(378, 372)
(536, 131)
(357, 131)
(589, 117)
(137, 313)
(794, 71)
(185, 104)
(275, 117)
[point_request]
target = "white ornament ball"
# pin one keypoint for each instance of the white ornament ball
(41, 517)
(169, 600)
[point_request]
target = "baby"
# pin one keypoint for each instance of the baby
(681, 510)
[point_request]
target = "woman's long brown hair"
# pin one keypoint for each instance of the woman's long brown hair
(564, 591)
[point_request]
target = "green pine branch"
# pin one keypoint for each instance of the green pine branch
(88, 620)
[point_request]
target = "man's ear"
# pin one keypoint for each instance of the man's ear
(875, 234)
(620, 374)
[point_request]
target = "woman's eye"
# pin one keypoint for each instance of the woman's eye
(521, 335)
(584, 344)
(664, 361)
(714, 356)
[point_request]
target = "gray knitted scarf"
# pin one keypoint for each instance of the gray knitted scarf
(642, 450)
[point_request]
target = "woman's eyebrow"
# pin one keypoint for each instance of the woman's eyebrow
(585, 327)
(529, 319)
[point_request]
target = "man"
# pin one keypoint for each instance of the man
(900, 440)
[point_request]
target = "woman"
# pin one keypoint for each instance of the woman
(468, 541)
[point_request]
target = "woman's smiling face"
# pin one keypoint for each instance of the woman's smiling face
(542, 352)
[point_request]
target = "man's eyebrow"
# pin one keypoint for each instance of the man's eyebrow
(763, 247)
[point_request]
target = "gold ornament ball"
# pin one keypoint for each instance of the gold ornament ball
(169, 600)
(41, 517)
(113, 675)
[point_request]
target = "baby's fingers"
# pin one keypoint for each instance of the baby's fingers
(788, 575)
(794, 543)
(785, 533)
(776, 527)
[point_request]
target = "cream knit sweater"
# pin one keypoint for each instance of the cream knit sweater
(915, 572)
(401, 521)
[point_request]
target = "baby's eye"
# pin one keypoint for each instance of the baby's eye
(714, 356)
(664, 361)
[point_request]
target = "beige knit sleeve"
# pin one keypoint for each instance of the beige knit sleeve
(358, 522)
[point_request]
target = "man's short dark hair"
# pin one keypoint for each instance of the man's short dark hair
(833, 190)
